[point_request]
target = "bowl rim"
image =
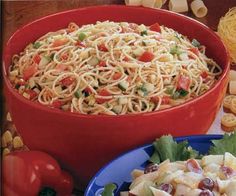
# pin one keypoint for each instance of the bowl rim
(201, 137)
(45, 108)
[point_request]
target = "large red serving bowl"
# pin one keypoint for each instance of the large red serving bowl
(83, 143)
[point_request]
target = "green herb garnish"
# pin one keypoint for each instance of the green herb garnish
(78, 94)
(143, 33)
(36, 45)
(108, 190)
(179, 94)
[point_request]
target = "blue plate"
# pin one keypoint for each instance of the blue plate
(118, 171)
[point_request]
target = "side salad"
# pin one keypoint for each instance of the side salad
(177, 169)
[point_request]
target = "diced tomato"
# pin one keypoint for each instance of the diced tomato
(183, 83)
(61, 67)
(117, 76)
(102, 64)
(204, 74)
(194, 50)
(146, 57)
(129, 79)
(31, 93)
(155, 27)
(193, 166)
(126, 59)
(67, 81)
(102, 47)
(57, 104)
(155, 100)
(29, 71)
(103, 92)
(64, 56)
(81, 44)
(88, 90)
(59, 42)
(165, 100)
(36, 59)
(21, 82)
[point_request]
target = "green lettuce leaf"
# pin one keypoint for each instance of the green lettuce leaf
(166, 148)
(226, 144)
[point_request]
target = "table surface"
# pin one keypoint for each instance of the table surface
(18, 13)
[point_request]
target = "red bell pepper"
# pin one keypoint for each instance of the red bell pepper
(183, 83)
(204, 74)
(59, 42)
(57, 104)
(194, 50)
(31, 93)
(80, 44)
(117, 76)
(29, 172)
(155, 27)
(146, 57)
(165, 100)
(105, 93)
(37, 59)
(102, 47)
(67, 81)
(102, 64)
(29, 71)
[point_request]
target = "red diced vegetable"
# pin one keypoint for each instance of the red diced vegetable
(204, 74)
(59, 42)
(64, 56)
(165, 100)
(154, 100)
(102, 64)
(126, 59)
(146, 57)
(67, 81)
(81, 44)
(194, 50)
(32, 171)
(36, 59)
(57, 104)
(155, 27)
(31, 93)
(183, 82)
(117, 76)
(103, 92)
(29, 71)
(61, 67)
(102, 47)
(88, 90)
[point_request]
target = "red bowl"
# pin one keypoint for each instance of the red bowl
(83, 143)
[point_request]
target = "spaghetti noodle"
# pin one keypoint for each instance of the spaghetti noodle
(113, 68)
